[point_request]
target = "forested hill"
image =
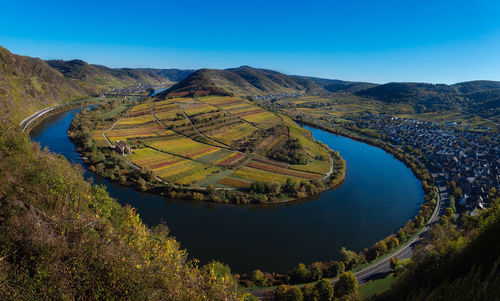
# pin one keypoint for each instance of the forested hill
(105, 77)
(449, 265)
(29, 84)
(62, 238)
(241, 81)
(174, 75)
(335, 85)
(473, 94)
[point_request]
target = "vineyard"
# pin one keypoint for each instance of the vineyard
(226, 142)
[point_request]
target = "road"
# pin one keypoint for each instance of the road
(28, 120)
(381, 267)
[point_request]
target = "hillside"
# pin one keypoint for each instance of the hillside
(174, 75)
(62, 238)
(455, 264)
(104, 77)
(335, 85)
(29, 84)
(243, 81)
(473, 94)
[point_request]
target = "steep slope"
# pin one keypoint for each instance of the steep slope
(240, 81)
(452, 268)
(62, 238)
(440, 96)
(104, 77)
(29, 84)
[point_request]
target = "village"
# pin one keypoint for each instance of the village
(274, 97)
(137, 90)
(469, 161)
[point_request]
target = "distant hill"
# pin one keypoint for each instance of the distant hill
(29, 84)
(174, 75)
(335, 85)
(240, 81)
(480, 94)
(105, 77)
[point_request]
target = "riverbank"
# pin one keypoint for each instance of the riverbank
(33, 120)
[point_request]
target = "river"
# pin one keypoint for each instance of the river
(377, 197)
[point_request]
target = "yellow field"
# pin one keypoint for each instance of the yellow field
(137, 119)
(263, 117)
(261, 175)
(192, 159)
(200, 174)
(235, 133)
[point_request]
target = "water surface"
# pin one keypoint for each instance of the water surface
(377, 197)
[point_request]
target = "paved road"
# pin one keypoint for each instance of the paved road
(382, 267)
(28, 120)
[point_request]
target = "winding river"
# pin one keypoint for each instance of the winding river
(377, 197)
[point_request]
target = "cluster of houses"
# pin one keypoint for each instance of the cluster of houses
(138, 90)
(471, 159)
(273, 97)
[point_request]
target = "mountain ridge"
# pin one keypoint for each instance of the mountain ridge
(241, 81)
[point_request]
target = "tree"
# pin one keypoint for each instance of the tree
(300, 274)
(401, 235)
(316, 271)
(280, 293)
(309, 293)
(141, 184)
(394, 263)
(349, 258)
(336, 268)
(448, 211)
(381, 247)
(393, 243)
(259, 187)
(273, 187)
(347, 284)
(325, 290)
(258, 278)
(211, 189)
(294, 294)
(292, 186)
(420, 221)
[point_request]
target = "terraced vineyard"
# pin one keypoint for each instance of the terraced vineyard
(226, 142)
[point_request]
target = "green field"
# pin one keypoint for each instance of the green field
(373, 287)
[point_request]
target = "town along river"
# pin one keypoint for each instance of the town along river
(377, 197)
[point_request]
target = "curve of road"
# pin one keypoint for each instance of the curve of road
(28, 120)
(372, 271)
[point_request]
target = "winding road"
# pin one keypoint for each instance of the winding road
(28, 120)
(382, 267)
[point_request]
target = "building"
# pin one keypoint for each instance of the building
(122, 148)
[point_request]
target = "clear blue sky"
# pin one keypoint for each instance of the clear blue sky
(378, 41)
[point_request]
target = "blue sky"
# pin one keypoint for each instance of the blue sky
(378, 41)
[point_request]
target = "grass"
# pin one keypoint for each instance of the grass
(373, 287)
(253, 174)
